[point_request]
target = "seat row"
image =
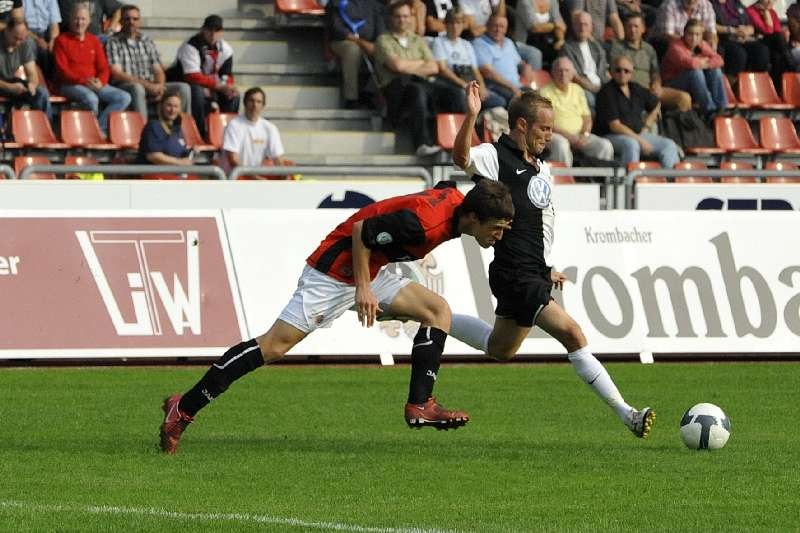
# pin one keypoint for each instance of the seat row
(725, 165)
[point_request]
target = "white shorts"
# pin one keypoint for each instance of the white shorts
(321, 299)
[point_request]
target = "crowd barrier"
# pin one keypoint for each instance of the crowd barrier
(131, 283)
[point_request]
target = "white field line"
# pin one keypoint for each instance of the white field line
(208, 517)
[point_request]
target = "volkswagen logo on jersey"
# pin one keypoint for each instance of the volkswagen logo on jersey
(539, 192)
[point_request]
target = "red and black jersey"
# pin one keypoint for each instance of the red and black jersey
(403, 228)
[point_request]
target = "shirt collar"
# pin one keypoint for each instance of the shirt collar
(509, 143)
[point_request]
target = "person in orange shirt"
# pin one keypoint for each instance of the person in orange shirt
(692, 65)
(82, 70)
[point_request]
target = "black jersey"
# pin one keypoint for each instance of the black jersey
(525, 248)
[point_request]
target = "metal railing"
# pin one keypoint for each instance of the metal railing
(8, 172)
(123, 170)
(377, 171)
(630, 178)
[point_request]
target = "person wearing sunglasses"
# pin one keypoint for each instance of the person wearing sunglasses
(621, 104)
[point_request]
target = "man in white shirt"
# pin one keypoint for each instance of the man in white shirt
(587, 55)
(249, 140)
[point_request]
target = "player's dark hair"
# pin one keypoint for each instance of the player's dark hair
(488, 199)
(527, 106)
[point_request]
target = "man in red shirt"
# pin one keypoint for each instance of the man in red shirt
(345, 272)
(82, 70)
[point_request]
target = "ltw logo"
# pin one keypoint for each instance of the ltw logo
(182, 308)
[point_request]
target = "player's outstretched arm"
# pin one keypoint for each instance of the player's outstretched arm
(366, 302)
(464, 138)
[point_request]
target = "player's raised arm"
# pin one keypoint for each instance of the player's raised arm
(464, 138)
(366, 302)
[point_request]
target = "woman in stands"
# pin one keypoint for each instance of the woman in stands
(539, 24)
(737, 42)
(162, 141)
(768, 29)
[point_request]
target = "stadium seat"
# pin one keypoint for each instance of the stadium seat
(734, 135)
(447, 126)
(216, 127)
(80, 129)
(192, 135)
(692, 165)
(779, 135)
(561, 179)
(31, 129)
(539, 79)
(299, 7)
(22, 161)
(791, 88)
(783, 165)
(126, 128)
(644, 165)
(79, 160)
(733, 102)
(756, 90)
(735, 165)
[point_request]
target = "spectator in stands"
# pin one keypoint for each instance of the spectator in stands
(572, 119)
(104, 16)
(672, 18)
(82, 70)
(768, 29)
(136, 64)
(353, 27)
(10, 9)
(627, 8)
(603, 13)
(19, 51)
(646, 71)
(162, 141)
(621, 105)
(737, 43)
(404, 63)
(587, 55)
(478, 12)
(539, 24)
(498, 60)
(793, 20)
(205, 62)
(250, 140)
(43, 18)
(457, 61)
(691, 65)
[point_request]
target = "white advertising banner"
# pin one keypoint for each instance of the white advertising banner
(640, 281)
(571, 197)
(717, 196)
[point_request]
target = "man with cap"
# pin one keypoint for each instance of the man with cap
(205, 62)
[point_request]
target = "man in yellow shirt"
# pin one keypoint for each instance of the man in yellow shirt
(573, 121)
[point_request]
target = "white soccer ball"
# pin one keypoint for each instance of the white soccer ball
(705, 427)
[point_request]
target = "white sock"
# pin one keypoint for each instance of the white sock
(471, 330)
(595, 375)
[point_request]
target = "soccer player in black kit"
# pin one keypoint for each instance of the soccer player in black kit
(520, 277)
(346, 272)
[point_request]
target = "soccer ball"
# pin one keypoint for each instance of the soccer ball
(705, 427)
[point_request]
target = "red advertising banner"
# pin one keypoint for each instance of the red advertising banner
(104, 286)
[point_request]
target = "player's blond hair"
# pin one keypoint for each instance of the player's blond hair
(527, 106)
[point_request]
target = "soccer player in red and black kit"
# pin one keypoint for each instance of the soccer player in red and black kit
(520, 276)
(345, 272)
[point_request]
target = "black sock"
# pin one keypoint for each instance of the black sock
(238, 361)
(425, 358)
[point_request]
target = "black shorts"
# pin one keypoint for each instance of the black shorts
(520, 298)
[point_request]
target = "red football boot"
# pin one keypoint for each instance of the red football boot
(432, 414)
(174, 424)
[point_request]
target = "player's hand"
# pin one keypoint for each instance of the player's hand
(558, 279)
(366, 306)
(473, 91)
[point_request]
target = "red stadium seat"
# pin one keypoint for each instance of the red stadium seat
(539, 79)
(783, 165)
(756, 90)
(22, 161)
(734, 165)
(192, 135)
(561, 180)
(81, 130)
(78, 160)
(732, 100)
(216, 127)
(692, 165)
(126, 128)
(645, 165)
(791, 88)
(779, 135)
(299, 7)
(734, 135)
(31, 129)
(447, 126)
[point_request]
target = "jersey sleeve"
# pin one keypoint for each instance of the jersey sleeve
(391, 229)
(232, 139)
(483, 162)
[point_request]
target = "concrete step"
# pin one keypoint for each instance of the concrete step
(319, 73)
(323, 119)
(315, 142)
(179, 8)
(256, 52)
(301, 97)
(357, 160)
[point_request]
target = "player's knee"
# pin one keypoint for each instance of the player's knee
(572, 336)
(500, 350)
(436, 313)
(272, 349)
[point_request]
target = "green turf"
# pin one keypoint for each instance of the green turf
(327, 445)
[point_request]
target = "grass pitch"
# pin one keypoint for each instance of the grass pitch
(326, 448)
